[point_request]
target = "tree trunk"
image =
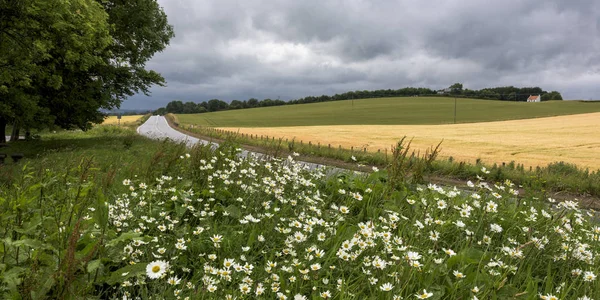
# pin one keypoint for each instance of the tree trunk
(15, 133)
(3, 130)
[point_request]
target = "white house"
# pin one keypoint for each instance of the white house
(534, 98)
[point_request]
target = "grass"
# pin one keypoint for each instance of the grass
(388, 111)
(108, 214)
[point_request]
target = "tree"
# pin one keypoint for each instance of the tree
(252, 102)
(456, 89)
(190, 108)
(139, 29)
(41, 40)
(76, 57)
(216, 105)
(236, 104)
(175, 107)
(161, 111)
(554, 95)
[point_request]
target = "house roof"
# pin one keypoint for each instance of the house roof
(532, 97)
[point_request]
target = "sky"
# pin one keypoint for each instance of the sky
(282, 49)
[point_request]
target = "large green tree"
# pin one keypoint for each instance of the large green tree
(37, 38)
(139, 29)
(73, 58)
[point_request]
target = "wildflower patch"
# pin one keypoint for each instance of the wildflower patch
(233, 228)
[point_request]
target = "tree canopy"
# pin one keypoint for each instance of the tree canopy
(63, 61)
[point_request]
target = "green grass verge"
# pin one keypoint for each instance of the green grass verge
(388, 111)
(107, 214)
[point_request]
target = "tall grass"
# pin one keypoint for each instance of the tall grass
(107, 214)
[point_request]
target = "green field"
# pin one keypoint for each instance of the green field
(388, 111)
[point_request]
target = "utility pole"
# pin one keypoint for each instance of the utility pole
(454, 109)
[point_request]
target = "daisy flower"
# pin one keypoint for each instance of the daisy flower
(424, 295)
(156, 269)
(589, 276)
(386, 287)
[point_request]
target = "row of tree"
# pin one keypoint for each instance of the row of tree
(63, 62)
(179, 107)
(509, 93)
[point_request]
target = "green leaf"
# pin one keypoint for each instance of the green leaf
(467, 256)
(35, 244)
(233, 211)
(43, 290)
(94, 265)
(12, 278)
(88, 248)
(125, 273)
(124, 237)
(507, 292)
(101, 212)
(31, 226)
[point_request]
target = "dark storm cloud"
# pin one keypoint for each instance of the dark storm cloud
(267, 49)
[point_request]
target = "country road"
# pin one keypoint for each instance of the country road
(157, 127)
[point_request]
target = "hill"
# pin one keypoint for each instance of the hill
(388, 111)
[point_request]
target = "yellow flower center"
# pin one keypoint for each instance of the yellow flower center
(155, 269)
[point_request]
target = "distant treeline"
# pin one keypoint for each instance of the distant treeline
(508, 93)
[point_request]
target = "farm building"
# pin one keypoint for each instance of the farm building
(534, 98)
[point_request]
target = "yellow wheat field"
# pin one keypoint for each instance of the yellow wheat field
(112, 120)
(532, 142)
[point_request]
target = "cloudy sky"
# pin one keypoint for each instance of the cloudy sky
(289, 49)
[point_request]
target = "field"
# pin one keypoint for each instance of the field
(125, 120)
(532, 142)
(108, 214)
(388, 111)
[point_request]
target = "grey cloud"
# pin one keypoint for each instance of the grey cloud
(258, 48)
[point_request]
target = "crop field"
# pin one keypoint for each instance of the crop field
(532, 142)
(389, 111)
(112, 120)
(108, 214)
